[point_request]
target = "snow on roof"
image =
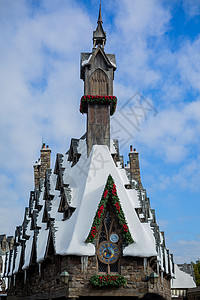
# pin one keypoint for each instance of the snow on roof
(89, 191)
(11, 265)
(182, 280)
(53, 179)
(17, 259)
(166, 261)
(7, 264)
(54, 207)
(28, 251)
(3, 264)
(83, 184)
(42, 244)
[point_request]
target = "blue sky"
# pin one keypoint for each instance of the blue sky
(157, 47)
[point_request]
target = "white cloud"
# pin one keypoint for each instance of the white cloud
(142, 18)
(186, 251)
(36, 48)
(139, 23)
(191, 7)
(172, 132)
(188, 59)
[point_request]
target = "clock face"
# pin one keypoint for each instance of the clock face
(114, 238)
(108, 253)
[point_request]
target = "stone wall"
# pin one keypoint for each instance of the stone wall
(47, 284)
(194, 293)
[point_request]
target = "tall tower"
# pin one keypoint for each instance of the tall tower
(97, 72)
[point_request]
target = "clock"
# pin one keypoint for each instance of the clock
(108, 253)
(114, 238)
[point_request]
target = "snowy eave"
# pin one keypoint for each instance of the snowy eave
(182, 280)
(86, 57)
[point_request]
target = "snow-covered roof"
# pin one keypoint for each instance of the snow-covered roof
(79, 186)
(182, 280)
(87, 198)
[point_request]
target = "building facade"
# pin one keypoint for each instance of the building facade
(6, 245)
(89, 229)
(183, 281)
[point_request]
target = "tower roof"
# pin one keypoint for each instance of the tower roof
(99, 35)
(100, 17)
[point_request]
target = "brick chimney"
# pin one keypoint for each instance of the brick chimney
(135, 166)
(43, 163)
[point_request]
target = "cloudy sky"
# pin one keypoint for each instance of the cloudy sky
(157, 47)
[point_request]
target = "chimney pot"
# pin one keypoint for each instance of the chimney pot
(134, 149)
(131, 148)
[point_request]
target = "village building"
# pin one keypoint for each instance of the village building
(6, 244)
(89, 229)
(183, 282)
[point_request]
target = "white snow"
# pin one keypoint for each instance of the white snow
(17, 259)
(11, 265)
(182, 280)
(90, 182)
(42, 237)
(7, 264)
(86, 61)
(86, 181)
(28, 252)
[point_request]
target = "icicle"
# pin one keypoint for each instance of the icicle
(9, 282)
(14, 281)
(157, 267)
(84, 263)
(162, 276)
(145, 264)
(24, 276)
(39, 266)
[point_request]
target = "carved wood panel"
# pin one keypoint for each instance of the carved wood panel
(99, 83)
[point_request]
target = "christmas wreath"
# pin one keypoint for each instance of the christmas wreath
(107, 280)
(110, 192)
(112, 100)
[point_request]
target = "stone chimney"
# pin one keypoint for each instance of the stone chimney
(43, 163)
(135, 166)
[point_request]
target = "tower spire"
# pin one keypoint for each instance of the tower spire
(99, 35)
(97, 72)
(100, 17)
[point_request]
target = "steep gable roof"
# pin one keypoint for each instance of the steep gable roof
(90, 183)
(87, 180)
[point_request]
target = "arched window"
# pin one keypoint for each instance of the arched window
(109, 244)
(99, 83)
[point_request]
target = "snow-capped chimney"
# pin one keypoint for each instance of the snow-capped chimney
(43, 163)
(135, 166)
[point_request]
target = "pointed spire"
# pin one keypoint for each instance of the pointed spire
(99, 35)
(100, 17)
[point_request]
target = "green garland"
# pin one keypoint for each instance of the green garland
(108, 280)
(112, 100)
(110, 192)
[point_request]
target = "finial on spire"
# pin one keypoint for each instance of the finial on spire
(100, 17)
(99, 35)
